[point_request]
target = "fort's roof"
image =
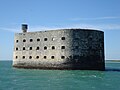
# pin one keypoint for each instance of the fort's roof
(66, 30)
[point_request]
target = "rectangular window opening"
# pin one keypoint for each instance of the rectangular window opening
(31, 40)
(53, 47)
(37, 57)
(45, 48)
(16, 57)
(30, 57)
(63, 47)
(30, 48)
(45, 39)
(23, 57)
(16, 41)
(45, 57)
(23, 48)
(63, 38)
(62, 57)
(52, 57)
(38, 40)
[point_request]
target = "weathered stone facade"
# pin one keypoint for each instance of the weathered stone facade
(60, 49)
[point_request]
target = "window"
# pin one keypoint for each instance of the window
(30, 48)
(90, 37)
(63, 38)
(23, 57)
(76, 38)
(37, 57)
(63, 47)
(52, 57)
(53, 47)
(16, 48)
(16, 41)
(30, 57)
(70, 57)
(53, 38)
(76, 47)
(24, 40)
(38, 40)
(45, 57)
(23, 48)
(16, 57)
(31, 40)
(45, 39)
(76, 56)
(45, 48)
(37, 48)
(62, 57)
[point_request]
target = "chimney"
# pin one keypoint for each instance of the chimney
(24, 28)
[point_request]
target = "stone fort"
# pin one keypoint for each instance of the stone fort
(75, 49)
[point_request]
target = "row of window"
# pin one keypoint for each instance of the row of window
(45, 39)
(37, 48)
(37, 57)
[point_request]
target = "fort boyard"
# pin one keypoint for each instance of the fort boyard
(70, 49)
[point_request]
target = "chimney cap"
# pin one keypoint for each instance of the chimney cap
(24, 27)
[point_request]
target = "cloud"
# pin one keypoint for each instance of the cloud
(98, 26)
(10, 29)
(80, 25)
(97, 18)
(70, 26)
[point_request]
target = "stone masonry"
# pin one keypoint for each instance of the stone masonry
(59, 49)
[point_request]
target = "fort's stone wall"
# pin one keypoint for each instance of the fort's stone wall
(60, 49)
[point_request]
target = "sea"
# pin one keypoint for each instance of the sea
(36, 79)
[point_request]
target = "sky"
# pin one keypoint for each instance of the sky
(57, 14)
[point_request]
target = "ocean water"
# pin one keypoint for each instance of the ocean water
(34, 79)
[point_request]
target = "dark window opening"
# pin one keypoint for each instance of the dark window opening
(76, 56)
(52, 57)
(76, 47)
(31, 40)
(45, 39)
(63, 38)
(23, 48)
(38, 39)
(70, 57)
(16, 41)
(45, 57)
(90, 47)
(24, 40)
(23, 57)
(37, 57)
(76, 38)
(90, 37)
(53, 47)
(63, 47)
(16, 49)
(30, 57)
(45, 48)
(16, 57)
(62, 57)
(30, 48)
(37, 48)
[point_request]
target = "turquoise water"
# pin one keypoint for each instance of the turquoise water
(27, 79)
